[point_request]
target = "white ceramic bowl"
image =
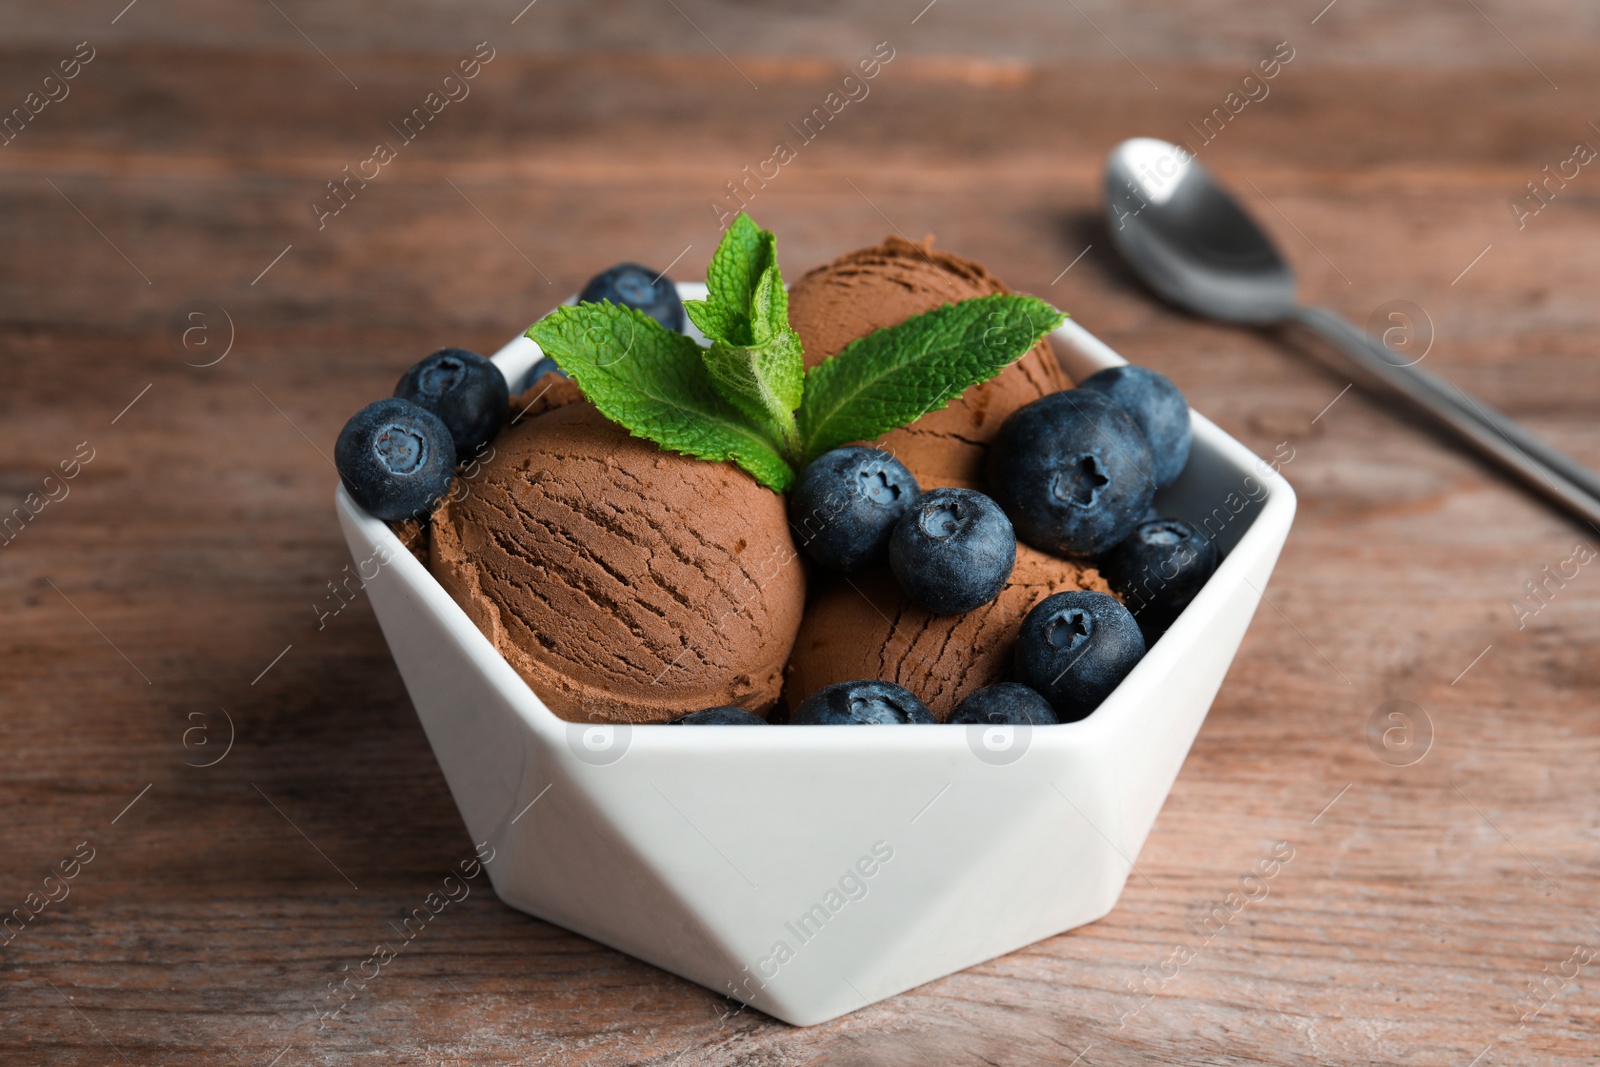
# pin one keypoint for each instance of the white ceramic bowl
(810, 871)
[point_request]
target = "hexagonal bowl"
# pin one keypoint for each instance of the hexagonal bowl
(810, 871)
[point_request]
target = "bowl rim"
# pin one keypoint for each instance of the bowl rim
(1077, 348)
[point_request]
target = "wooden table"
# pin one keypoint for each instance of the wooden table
(163, 203)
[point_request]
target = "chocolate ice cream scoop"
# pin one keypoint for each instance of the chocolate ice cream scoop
(884, 285)
(869, 629)
(622, 582)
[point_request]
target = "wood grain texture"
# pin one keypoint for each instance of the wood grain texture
(1417, 910)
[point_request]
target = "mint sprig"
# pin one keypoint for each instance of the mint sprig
(895, 376)
(747, 397)
(754, 358)
(653, 381)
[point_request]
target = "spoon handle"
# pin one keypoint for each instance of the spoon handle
(1541, 467)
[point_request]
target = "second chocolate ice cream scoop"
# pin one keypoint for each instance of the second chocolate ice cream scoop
(873, 288)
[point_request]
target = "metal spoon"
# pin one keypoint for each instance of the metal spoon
(1191, 243)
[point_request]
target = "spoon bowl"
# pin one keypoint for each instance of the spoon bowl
(1189, 240)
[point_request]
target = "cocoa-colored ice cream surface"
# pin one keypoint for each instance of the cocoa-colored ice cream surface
(622, 582)
(865, 627)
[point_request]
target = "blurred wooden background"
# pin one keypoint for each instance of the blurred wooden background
(1435, 913)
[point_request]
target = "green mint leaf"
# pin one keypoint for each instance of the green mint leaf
(653, 382)
(737, 264)
(754, 360)
(896, 375)
(769, 313)
(764, 383)
(720, 322)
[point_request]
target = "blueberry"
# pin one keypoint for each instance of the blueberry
(1072, 470)
(863, 703)
(1006, 704)
(725, 716)
(952, 551)
(639, 287)
(1158, 570)
(1157, 407)
(395, 458)
(465, 390)
(1075, 648)
(845, 505)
